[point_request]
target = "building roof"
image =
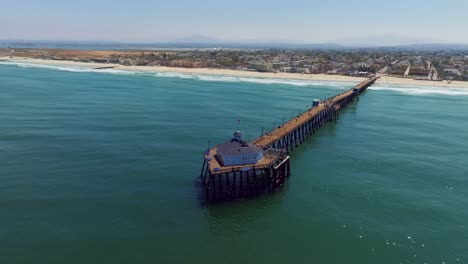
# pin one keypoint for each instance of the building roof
(234, 148)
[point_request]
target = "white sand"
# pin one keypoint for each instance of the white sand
(223, 72)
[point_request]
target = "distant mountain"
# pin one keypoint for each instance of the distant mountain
(279, 45)
(203, 42)
(429, 47)
(384, 41)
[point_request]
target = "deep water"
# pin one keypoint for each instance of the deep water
(102, 167)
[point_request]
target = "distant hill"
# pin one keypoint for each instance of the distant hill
(432, 47)
(203, 42)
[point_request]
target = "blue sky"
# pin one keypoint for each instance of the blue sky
(293, 21)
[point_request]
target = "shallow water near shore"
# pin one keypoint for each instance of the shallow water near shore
(103, 168)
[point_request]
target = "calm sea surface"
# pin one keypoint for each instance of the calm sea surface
(102, 167)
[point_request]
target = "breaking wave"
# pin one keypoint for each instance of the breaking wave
(339, 85)
(421, 90)
(217, 78)
(68, 68)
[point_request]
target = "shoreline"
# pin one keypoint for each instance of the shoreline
(385, 80)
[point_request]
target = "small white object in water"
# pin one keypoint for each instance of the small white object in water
(360, 236)
(409, 237)
(422, 245)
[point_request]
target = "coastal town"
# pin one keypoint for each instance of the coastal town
(412, 64)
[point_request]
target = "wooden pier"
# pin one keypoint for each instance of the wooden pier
(269, 173)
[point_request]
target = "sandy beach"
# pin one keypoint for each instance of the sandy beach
(252, 74)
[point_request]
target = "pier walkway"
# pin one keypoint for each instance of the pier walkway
(270, 172)
(290, 126)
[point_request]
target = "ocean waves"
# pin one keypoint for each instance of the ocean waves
(339, 85)
(220, 78)
(68, 68)
(421, 90)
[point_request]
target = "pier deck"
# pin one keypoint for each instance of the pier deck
(293, 124)
(271, 171)
(216, 168)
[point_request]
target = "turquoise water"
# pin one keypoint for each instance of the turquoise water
(102, 167)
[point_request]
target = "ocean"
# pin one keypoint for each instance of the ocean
(102, 166)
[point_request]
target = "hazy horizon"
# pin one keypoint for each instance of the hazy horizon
(296, 22)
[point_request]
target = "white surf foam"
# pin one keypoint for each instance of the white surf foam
(338, 85)
(174, 75)
(421, 90)
(213, 78)
(68, 68)
(217, 78)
